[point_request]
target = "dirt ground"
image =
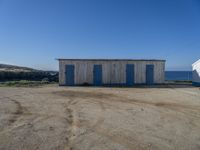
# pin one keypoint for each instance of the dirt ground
(87, 118)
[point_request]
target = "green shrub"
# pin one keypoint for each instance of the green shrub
(24, 83)
(33, 76)
(45, 81)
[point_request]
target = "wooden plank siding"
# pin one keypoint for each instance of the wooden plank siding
(114, 72)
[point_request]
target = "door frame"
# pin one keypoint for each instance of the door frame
(97, 75)
(69, 75)
(130, 74)
(150, 74)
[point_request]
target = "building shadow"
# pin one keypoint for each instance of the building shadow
(167, 84)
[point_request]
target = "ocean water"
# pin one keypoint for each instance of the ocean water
(178, 75)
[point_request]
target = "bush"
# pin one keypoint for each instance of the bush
(45, 81)
(33, 76)
(23, 83)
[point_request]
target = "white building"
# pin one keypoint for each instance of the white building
(196, 73)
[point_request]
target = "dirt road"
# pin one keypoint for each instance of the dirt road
(84, 118)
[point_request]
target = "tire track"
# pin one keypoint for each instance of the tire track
(71, 122)
(15, 115)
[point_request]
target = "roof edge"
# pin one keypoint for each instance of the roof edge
(100, 59)
(198, 61)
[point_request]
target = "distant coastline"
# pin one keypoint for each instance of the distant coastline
(178, 75)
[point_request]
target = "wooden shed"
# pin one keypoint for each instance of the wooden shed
(127, 72)
(196, 73)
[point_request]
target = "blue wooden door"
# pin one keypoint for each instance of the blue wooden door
(149, 74)
(97, 75)
(69, 74)
(130, 75)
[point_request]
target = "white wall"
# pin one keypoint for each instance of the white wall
(196, 71)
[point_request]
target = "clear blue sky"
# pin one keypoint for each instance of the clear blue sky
(35, 32)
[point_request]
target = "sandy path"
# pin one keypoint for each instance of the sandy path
(60, 118)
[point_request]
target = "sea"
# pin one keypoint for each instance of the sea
(178, 75)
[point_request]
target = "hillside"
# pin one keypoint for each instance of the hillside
(12, 68)
(12, 72)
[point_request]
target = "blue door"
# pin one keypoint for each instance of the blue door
(130, 75)
(69, 74)
(97, 75)
(149, 74)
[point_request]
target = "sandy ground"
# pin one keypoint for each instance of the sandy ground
(84, 118)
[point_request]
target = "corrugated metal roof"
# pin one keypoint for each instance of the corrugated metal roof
(60, 59)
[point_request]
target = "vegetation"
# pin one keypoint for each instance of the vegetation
(22, 76)
(33, 76)
(13, 73)
(24, 83)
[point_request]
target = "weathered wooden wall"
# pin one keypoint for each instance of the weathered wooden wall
(114, 72)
